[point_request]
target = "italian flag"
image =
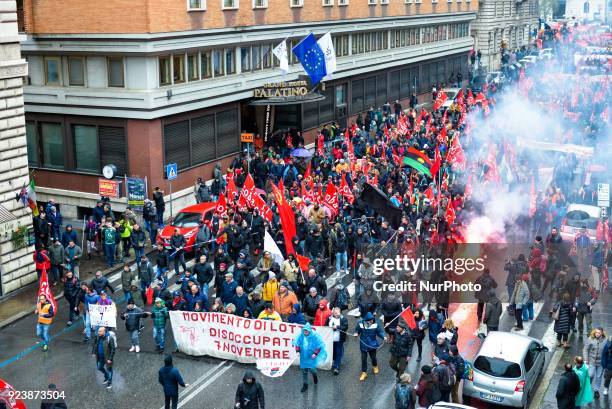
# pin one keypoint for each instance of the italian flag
(27, 196)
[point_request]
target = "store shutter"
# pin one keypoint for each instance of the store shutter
(113, 149)
(228, 136)
(176, 144)
(203, 139)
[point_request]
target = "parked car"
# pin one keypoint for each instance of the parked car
(505, 370)
(448, 405)
(496, 77)
(578, 216)
(187, 221)
(451, 94)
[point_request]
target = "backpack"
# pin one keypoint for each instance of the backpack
(459, 367)
(342, 300)
(446, 377)
(403, 396)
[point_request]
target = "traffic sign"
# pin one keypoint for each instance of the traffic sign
(171, 171)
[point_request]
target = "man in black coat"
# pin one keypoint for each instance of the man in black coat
(250, 394)
(204, 273)
(568, 388)
(401, 350)
(170, 378)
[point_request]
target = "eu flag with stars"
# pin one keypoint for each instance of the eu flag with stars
(312, 58)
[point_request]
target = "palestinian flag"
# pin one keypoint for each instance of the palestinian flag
(418, 161)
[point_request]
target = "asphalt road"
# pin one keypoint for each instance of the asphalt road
(69, 365)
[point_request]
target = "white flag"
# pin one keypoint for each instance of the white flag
(327, 45)
(270, 245)
(280, 51)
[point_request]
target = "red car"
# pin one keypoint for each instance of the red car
(187, 221)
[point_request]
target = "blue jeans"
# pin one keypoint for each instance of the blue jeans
(341, 261)
(42, 331)
(107, 371)
(596, 374)
(159, 334)
(338, 354)
(109, 253)
(87, 324)
(134, 337)
(305, 372)
(127, 295)
(138, 252)
(528, 312)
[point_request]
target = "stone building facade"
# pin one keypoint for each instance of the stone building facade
(16, 265)
(503, 23)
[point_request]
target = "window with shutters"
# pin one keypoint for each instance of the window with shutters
(381, 90)
(113, 148)
(394, 85)
(405, 83)
(203, 147)
(356, 96)
(176, 141)
(370, 92)
(228, 135)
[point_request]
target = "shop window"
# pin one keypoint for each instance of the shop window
(193, 70)
(76, 71)
(311, 115)
(85, 148)
(52, 145)
(52, 71)
(164, 71)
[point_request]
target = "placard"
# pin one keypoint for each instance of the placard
(103, 315)
(136, 192)
(108, 188)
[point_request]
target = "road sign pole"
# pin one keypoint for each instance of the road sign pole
(171, 174)
(170, 198)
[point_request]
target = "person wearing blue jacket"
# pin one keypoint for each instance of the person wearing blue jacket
(89, 297)
(68, 235)
(434, 323)
(170, 379)
(296, 316)
(368, 329)
(312, 352)
(196, 296)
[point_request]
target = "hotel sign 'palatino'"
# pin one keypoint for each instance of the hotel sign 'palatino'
(282, 90)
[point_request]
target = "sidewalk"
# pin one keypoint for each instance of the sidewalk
(22, 302)
(602, 316)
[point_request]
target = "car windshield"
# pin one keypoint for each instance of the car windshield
(580, 218)
(184, 219)
(497, 367)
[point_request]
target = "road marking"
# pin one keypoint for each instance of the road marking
(201, 379)
(195, 393)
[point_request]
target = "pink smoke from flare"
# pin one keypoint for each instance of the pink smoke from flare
(482, 230)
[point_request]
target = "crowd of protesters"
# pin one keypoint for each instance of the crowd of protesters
(234, 272)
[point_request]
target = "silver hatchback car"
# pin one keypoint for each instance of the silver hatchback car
(505, 370)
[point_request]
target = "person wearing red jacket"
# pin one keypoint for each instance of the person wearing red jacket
(322, 314)
(41, 260)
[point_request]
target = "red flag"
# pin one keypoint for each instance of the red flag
(44, 289)
(470, 98)
(455, 153)
(330, 200)
(442, 137)
(247, 194)
(347, 137)
(320, 144)
(468, 186)
(396, 157)
(221, 207)
(532, 199)
(461, 100)
(350, 150)
(605, 278)
(429, 193)
(264, 209)
(408, 317)
(230, 189)
(303, 261)
(287, 218)
(9, 396)
(345, 191)
(307, 173)
(440, 100)
(450, 213)
(437, 162)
